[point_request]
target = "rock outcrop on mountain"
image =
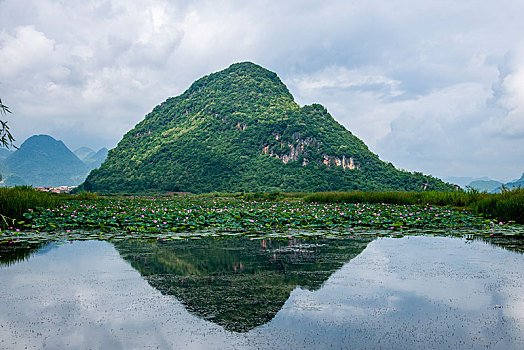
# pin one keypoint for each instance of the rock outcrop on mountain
(240, 130)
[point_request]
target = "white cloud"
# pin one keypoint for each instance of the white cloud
(509, 98)
(342, 78)
(356, 97)
(450, 130)
(413, 80)
(96, 63)
(24, 50)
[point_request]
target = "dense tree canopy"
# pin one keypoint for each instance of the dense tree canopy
(240, 130)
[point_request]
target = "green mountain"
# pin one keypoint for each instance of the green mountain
(91, 158)
(486, 185)
(95, 159)
(493, 186)
(84, 153)
(240, 130)
(44, 161)
(516, 183)
(4, 153)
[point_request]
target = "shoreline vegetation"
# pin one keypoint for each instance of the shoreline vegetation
(505, 206)
(30, 216)
(16, 201)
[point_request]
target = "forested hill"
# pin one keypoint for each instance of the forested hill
(43, 161)
(240, 130)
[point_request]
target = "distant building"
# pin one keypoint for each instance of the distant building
(59, 189)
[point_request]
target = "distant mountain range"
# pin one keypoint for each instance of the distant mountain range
(91, 158)
(485, 184)
(84, 153)
(516, 183)
(43, 161)
(4, 153)
(464, 181)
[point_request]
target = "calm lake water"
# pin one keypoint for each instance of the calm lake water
(408, 293)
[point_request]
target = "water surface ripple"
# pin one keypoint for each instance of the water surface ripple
(407, 293)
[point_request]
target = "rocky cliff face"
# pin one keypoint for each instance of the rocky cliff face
(298, 150)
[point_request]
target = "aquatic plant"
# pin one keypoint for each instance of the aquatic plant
(505, 206)
(508, 205)
(14, 202)
(182, 217)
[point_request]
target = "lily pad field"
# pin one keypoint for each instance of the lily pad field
(183, 217)
(257, 272)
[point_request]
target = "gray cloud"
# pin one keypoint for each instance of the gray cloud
(434, 86)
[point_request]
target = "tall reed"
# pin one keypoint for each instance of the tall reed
(14, 202)
(505, 206)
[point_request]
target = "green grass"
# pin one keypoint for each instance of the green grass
(505, 206)
(89, 216)
(16, 201)
(457, 199)
(273, 196)
(85, 195)
(273, 215)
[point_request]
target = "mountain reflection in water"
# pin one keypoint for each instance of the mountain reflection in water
(238, 284)
(11, 254)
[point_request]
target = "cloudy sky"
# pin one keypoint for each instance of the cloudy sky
(435, 86)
